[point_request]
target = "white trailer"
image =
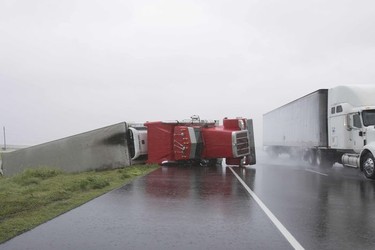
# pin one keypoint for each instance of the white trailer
(326, 126)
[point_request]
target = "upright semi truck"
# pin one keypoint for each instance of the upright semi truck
(326, 126)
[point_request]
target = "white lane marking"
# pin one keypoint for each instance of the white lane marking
(295, 244)
(316, 172)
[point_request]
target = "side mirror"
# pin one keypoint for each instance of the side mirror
(360, 133)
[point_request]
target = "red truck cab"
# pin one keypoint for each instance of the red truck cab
(201, 141)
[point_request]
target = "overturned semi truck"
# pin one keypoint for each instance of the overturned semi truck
(128, 143)
(194, 141)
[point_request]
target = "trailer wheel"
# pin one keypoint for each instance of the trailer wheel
(368, 166)
(319, 158)
(311, 158)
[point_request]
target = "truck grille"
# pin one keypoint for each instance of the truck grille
(240, 144)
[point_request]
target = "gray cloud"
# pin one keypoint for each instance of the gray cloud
(70, 66)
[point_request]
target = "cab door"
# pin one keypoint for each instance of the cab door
(356, 135)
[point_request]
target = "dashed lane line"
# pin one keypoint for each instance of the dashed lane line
(316, 172)
(289, 237)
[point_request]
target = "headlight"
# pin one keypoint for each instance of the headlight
(241, 124)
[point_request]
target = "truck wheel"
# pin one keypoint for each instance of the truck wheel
(368, 166)
(319, 158)
(311, 158)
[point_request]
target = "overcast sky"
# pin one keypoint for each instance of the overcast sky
(71, 66)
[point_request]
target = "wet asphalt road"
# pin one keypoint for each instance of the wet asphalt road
(208, 208)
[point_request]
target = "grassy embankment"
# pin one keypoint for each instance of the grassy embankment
(38, 195)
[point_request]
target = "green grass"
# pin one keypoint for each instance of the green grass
(38, 195)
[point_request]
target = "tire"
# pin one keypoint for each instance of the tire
(368, 166)
(311, 158)
(320, 158)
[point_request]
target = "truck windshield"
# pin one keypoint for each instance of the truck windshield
(368, 117)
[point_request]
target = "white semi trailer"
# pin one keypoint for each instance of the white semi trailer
(326, 126)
